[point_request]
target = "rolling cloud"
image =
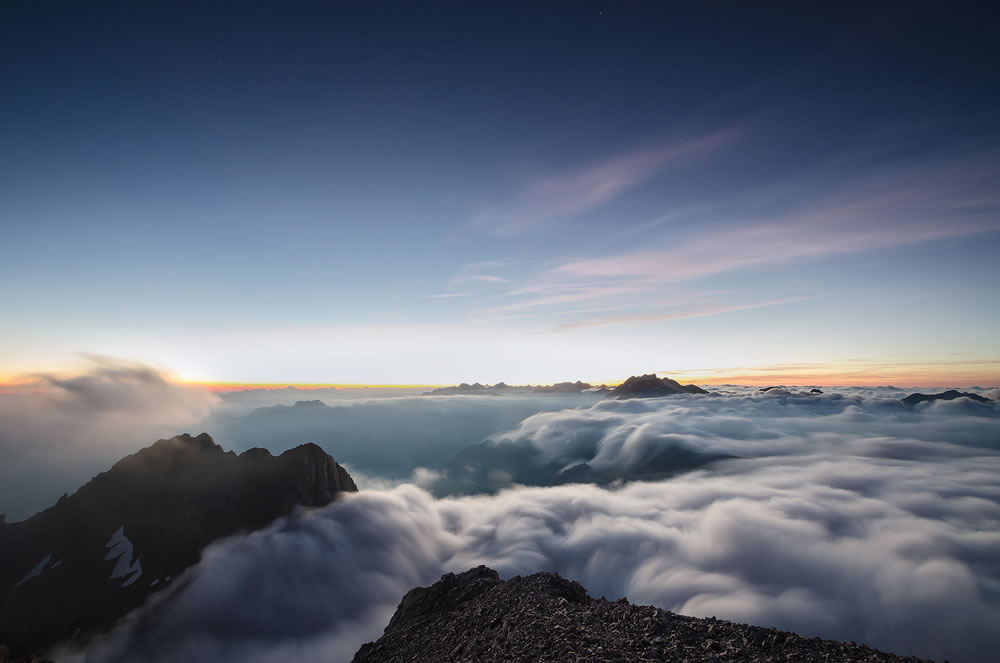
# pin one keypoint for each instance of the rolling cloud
(851, 517)
(620, 438)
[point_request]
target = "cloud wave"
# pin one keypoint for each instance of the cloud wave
(888, 537)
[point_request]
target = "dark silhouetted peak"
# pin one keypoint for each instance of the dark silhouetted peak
(949, 395)
(767, 389)
(82, 564)
(444, 596)
(650, 386)
(503, 388)
(476, 616)
(815, 391)
(256, 452)
(563, 388)
(185, 442)
(309, 404)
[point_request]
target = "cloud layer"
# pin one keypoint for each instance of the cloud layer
(853, 522)
(622, 439)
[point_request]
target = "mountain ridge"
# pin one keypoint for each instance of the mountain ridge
(477, 616)
(75, 568)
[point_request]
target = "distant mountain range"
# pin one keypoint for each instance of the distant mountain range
(77, 567)
(476, 388)
(476, 616)
(637, 386)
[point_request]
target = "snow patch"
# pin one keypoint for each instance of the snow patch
(123, 549)
(155, 583)
(35, 572)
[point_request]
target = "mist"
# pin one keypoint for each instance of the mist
(57, 431)
(384, 438)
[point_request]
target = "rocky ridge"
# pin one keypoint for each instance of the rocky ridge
(476, 616)
(950, 395)
(500, 388)
(651, 386)
(77, 567)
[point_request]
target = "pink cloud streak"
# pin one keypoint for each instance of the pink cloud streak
(572, 193)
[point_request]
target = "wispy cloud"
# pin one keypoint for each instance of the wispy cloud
(446, 295)
(873, 210)
(934, 206)
(572, 294)
(568, 194)
(674, 315)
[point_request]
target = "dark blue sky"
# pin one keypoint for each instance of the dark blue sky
(353, 187)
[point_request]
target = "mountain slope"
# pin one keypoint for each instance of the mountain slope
(78, 566)
(650, 386)
(475, 616)
(950, 395)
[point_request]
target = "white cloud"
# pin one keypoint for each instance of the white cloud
(57, 431)
(855, 518)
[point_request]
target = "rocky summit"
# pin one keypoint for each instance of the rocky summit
(476, 616)
(651, 386)
(950, 395)
(77, 567)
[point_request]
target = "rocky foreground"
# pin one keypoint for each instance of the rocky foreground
(476, 616)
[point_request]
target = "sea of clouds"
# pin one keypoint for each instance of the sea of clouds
(845, 515)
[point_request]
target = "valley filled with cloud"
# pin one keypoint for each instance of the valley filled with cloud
(846, 515)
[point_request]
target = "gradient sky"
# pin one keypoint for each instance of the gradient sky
(374, 193)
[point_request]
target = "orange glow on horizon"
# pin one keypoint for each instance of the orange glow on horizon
(856, 373)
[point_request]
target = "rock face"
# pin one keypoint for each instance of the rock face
(563, 388)
(475, 616)
(650, 386)
(949, 395)
(77, 567)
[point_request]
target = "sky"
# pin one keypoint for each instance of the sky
(379, 194)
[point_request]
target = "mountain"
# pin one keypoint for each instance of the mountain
(949, 395)
(563, 388)
(297, 408)
(477, 389)
(650, 386)
(474, 389)
(75, 568)
(476, 616)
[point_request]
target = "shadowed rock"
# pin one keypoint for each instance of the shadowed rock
(80, 565)
(949, 395)
(476, 616)
(650, 386)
